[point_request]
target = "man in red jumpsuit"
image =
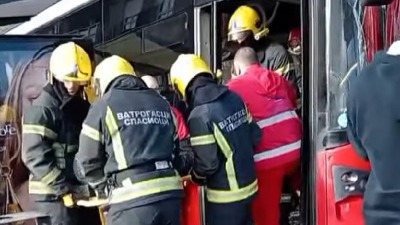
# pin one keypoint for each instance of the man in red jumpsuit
(271, 101)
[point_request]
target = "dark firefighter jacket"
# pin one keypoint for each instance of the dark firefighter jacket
(274, 56)
(50, 137)
(183, 161)
(373, 112)
(222, 137)
(130, 136)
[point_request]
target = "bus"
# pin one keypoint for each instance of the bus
(338, 39)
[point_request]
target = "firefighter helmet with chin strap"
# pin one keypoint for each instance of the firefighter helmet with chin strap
(109, 69)
(70, 62)
(294, 41)
(185, 69)
(244, 21)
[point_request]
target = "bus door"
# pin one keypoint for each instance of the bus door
(335, 173)
(24, 63)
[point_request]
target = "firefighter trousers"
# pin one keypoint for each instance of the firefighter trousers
(235, 213)
(62, 215)
(165, 212)
(266, 205)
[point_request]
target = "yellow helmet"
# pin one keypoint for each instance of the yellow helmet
(109, 69)
(69, 62)
(185, 68)
(246, 19)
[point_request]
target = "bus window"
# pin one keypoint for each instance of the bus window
(392, 23)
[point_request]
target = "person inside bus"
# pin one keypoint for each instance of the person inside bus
(294, 49)
(373, 114)
(271, 101)
(247, 28)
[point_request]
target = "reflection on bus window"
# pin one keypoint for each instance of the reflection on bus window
(28, 78)
(344, 53)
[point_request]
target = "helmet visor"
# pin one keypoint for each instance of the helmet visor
(239, 36)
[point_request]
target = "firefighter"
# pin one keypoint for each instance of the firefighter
(222, 135)
(294, 49)
(271, 100)
(185, 160)
(128, 141)
(373, 130)
(247, 28)
(50, 136)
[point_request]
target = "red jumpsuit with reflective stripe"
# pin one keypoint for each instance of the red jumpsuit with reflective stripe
(271, 101)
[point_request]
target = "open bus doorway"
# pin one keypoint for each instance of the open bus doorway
(212, 44)
(280, 18)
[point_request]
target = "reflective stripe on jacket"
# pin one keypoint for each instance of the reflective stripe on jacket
(130, 134)
(271, 101)
(50, 137)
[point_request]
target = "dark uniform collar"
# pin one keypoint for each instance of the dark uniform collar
(60, 93)
(260, 47)
(74, 108)
(203, 89)
(126, 82)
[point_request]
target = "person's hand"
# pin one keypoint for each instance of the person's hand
(197, 179)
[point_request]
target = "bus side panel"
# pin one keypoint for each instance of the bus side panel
(341, 187)
(191, 213)
(321, 200)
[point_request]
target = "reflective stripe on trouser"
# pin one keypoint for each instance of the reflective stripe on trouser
(131, 191)
(226, 196)
(277, 118)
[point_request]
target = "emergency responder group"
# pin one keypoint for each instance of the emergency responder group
(131, 146)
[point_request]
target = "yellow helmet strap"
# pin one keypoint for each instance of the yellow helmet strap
(95, 82)
(50, 77)
(264, 32)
